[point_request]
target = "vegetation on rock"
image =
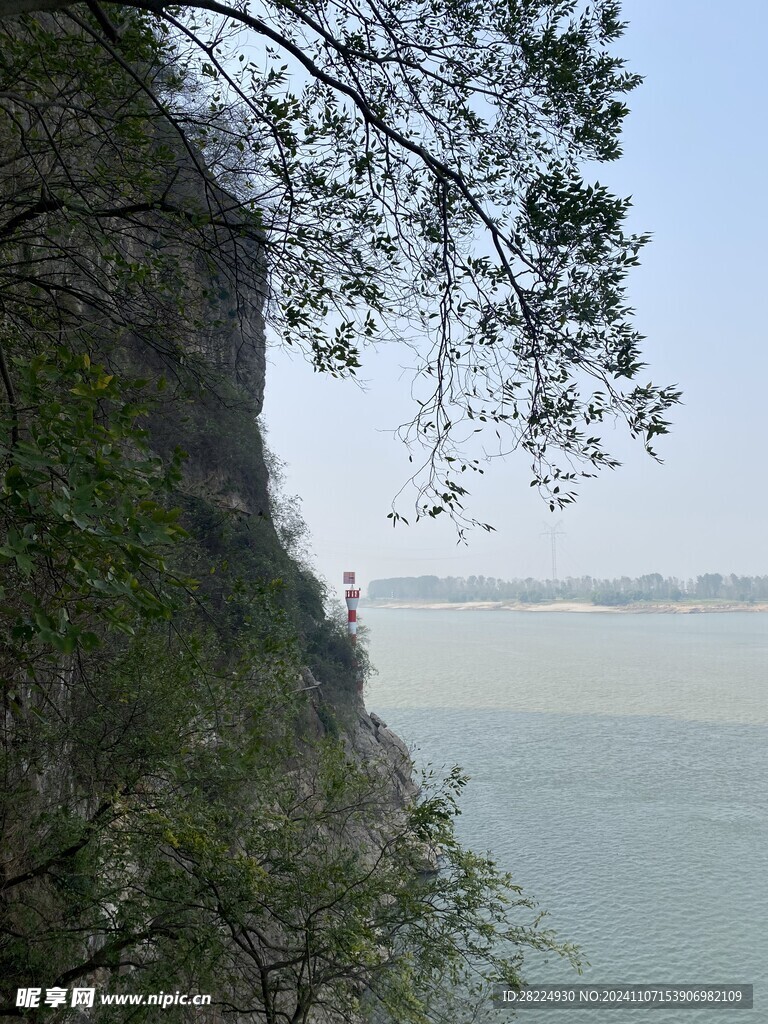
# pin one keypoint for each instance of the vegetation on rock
(174, 813)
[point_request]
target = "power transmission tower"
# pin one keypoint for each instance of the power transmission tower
(553, 532)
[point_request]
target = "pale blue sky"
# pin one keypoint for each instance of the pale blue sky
(695, 163)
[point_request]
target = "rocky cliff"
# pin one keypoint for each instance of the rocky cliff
(194, 795)
(194, 799)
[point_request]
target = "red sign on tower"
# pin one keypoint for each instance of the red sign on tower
(349, 579)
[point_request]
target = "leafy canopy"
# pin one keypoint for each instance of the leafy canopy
(415, 173)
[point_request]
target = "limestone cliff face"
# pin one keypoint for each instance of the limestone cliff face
(230, 340)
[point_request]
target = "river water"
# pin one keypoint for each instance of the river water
(619, 767)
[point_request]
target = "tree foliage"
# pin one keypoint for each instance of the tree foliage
(417, 171)
(172, 809)
(207, 852)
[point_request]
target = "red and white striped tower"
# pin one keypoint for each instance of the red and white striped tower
(352, 598)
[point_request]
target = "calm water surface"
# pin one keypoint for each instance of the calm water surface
(619, 770)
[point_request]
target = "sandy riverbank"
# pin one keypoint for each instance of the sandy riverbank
(640, 607)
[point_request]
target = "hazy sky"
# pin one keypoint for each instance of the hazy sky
(695, 158)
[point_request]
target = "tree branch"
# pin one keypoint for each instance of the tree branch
(61, 855)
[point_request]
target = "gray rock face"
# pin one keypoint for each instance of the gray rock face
(373, 739)
(376, 743)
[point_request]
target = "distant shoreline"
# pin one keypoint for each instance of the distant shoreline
(636, 607)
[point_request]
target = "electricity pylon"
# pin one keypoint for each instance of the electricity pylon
(553, 532)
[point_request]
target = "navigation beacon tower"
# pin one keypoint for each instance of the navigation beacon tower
(352, 597)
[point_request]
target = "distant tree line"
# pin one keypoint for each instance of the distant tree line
(619, 591)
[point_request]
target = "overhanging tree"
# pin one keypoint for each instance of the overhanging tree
(413, 171)
(418, 177)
